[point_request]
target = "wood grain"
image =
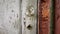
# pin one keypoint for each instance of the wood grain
(57, 16)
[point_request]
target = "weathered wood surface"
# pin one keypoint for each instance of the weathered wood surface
(10, 17)
(57, 16)
(44, 16)
(29, 16)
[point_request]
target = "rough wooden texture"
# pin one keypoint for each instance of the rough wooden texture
(57, 16)
(10, 17)
(44, 16)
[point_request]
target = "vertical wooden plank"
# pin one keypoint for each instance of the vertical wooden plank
(44, 16)
(29, 16)
(57, 16)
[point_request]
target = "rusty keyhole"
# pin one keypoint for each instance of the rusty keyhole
(29, 27)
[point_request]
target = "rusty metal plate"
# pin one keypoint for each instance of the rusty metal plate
(44, 16)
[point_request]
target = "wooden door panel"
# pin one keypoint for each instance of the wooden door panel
(57, 16)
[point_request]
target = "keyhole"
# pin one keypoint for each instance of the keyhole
(29, 27)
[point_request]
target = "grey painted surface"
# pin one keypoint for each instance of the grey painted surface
(10, 17)
(29, 20)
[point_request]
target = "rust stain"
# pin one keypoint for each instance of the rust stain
(44, 17)
(45, 10)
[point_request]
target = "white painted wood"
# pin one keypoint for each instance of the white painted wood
(29, 16)
(10, 22)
